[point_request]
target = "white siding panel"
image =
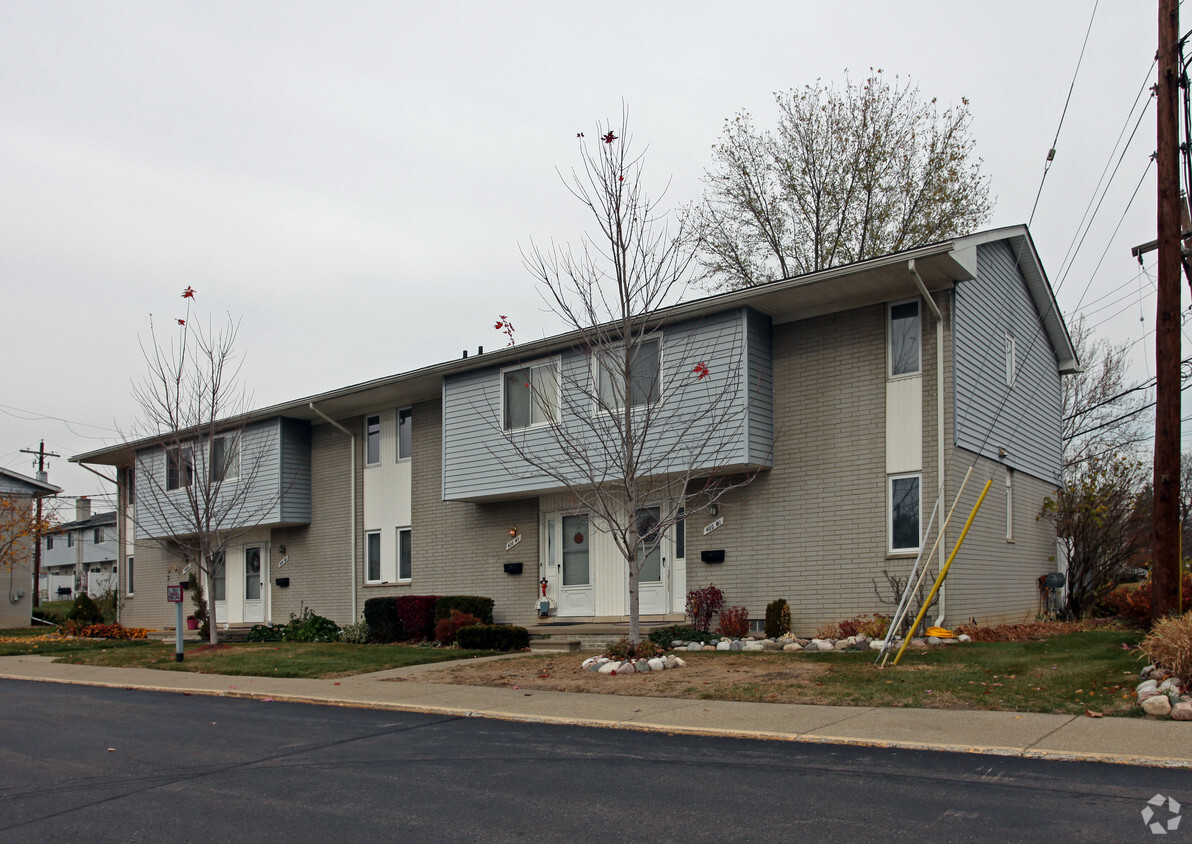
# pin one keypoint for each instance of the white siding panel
(904, 425)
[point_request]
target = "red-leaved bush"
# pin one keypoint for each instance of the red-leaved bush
(702, 604)
(734, 622)
(446, 628)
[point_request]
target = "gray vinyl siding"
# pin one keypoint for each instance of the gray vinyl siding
(261, 449)
(698, 422)
(1025, 419)
(759, 389)
(295, 472)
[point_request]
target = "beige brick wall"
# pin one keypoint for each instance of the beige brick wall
(19, 579)
(147, 607)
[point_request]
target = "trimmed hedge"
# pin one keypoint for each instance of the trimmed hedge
(416, 614)
(493, 637)
(476, 605)
(384, 624)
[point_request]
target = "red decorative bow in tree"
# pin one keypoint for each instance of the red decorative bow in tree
(188, 293)
(701, 370)
(609, 138)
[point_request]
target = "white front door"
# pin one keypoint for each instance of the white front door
(653, 585)
(254, 574)
(569, 564)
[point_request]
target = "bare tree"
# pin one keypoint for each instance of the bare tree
(847, 174)
(1105, 412)
(195, 490)
(641, 416)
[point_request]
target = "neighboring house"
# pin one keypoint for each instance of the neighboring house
(865, 393)
(18, 494)
(80, 556)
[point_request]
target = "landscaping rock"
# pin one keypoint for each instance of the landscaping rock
(708, 648)
(1146, 685)
(609, 667)
(724, 645)
(657, 664)
(736, 646)
(626, 668)
(753, 646)
(917, 645)
(771, 645)
(1147, 694)
(641, 666)
(875, 644)
(1157, 705)
(934, 640)
(1146, 671)
(792, 647)
(842, 645)
(695, 646)
(1171, 683)
(1182, 712)
(680, 663)
(964, 638)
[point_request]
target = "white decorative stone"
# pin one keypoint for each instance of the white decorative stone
(626, 668)
(609, 667)
(695, 646)
(1157, 705)
(964, 637)
(680, 662)
(842, 645)
(793, 646)
(933, 640)
(875, 644)
(753, 646)
(724, 645)
(657, 664)
(1146, 685)
(671, 661)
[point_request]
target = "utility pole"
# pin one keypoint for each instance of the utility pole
(1165, 568)
(42, 454)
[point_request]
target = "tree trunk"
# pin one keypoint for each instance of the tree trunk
(212, 631)
(634, 624)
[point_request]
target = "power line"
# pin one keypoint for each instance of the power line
(1067, 100)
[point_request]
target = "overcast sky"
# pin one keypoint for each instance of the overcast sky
(353, 179)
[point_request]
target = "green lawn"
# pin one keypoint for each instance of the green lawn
(1066, 674)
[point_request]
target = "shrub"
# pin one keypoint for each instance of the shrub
(493, 637)
(1135, 604)
(702, 604)
(356, 633)
(476, 605)
(876, 627)
(850, 626)
(1169, 644)
(621, 649)
(828, 630)
(84, 610)
(50, 616)
(266, 633)
(108, 604)
(663, 636)
(734, 622)
(380, 615)
(447, 628)
(417, 616)
(778, 619)
(308, 627)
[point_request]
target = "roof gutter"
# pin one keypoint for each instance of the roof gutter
(352, 507)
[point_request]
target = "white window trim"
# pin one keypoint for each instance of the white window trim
(233, 474)
(397, 433)
(1011, 360)
(397, 555)
(890, 549)
(918, 371)
(380, 558)
(182, 464)
(553, 362)
(380, 439)
(595, 370)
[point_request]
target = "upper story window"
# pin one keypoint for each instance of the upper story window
(904, 339)
(180, 467)
(225, 459)
(70, 539)
(405, 425)
(49, 543)
(372, 440)
(530, 395)
(1011, 360)
(132, 485)
(98, 537)
(644, 371)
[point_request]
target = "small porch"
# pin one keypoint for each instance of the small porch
(591, 634)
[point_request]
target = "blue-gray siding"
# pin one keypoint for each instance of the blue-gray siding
(263, 494)
(759, 388)
(1025, 419)
(701, 423)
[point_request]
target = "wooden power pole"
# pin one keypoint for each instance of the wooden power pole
(1165, 568)
(41, 455)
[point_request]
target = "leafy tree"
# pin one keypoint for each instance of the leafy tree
(847, 174)
(1095, 516)
(614, 445)
(20, 528)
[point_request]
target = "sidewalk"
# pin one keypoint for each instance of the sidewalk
(1131, 741)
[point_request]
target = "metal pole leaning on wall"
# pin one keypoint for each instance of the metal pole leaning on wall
(944, 571)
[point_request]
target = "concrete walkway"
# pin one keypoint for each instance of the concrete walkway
(1132, 741)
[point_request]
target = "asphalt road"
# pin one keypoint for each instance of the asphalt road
(88, 764)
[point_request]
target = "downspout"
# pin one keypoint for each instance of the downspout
(939, 410)
(352, 487)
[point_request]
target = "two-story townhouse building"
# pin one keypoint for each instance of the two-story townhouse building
(18, 494)
(863, 400)
(80, 556)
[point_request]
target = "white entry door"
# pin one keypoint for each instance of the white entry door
(254, 574)
(653, 586)
(569, 564)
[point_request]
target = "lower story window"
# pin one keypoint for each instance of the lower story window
(128, 576)
(219, 576)
(373, 559)
(905, 507)
(404, 561)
